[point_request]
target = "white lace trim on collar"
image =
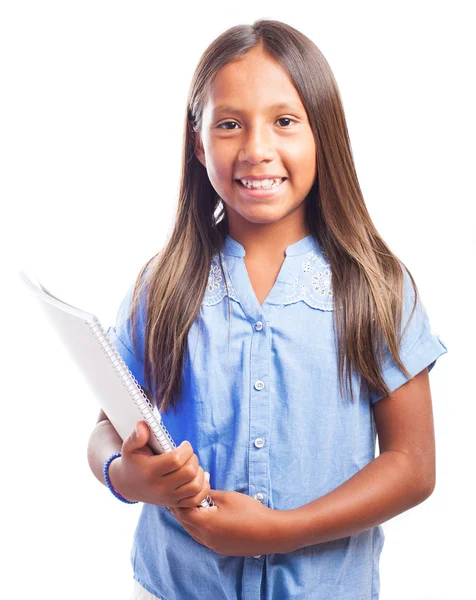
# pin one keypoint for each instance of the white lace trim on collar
(216, 289)
(312, 284)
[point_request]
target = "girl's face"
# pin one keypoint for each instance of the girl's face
(244, 134)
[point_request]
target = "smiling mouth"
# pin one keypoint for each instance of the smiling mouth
(259, 193)
(239, 182)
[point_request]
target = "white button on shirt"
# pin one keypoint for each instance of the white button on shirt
(315, 437)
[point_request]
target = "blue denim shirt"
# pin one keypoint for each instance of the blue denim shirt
(266, 418)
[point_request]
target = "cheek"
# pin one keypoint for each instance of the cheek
(308, 160)
(219, 168)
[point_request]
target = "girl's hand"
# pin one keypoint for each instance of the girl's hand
(170, 479)
(237, 526)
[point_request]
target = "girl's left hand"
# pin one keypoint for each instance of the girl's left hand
(237, 525)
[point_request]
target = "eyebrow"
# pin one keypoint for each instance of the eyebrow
(280, 105)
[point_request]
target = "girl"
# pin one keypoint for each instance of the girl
(284, 334)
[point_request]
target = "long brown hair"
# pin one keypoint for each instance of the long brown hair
(367, 278)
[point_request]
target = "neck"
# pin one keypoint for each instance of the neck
(267, 243)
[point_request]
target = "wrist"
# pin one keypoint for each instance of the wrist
(114, 472)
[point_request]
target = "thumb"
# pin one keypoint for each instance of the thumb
(138, 438)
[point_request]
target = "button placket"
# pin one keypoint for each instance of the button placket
(259, 414)
(260, 497)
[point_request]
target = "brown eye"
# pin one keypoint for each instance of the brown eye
(286, 119)
(226, 123)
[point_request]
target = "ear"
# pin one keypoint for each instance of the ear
(199, 151)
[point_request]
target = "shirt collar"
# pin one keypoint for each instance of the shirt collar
(233, 248)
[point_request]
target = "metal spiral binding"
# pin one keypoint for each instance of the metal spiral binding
(133, 387)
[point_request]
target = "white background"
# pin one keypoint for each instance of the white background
(92, 105)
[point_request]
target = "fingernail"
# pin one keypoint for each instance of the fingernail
(207, 475)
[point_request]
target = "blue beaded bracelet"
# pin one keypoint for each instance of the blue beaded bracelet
(105, 470)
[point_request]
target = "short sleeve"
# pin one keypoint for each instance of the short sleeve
(120, 335)
(420, 346)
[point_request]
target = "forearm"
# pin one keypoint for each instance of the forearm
(386, 487)
(103, 442)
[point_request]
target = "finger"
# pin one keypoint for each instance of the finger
(173, 461)
(186, 480)
(193, 492)
(194, 517)
(183, 514)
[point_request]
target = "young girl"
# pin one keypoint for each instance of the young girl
(285, 335)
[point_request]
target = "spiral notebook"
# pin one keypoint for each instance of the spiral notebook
(115, 387)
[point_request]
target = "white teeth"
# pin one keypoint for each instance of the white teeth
(263, 183)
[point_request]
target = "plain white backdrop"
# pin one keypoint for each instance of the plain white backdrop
(92, 105)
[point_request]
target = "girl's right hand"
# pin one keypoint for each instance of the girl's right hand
(170, 479)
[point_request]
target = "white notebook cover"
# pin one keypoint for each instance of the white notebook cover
(115, 387)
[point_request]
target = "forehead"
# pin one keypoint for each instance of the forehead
(254, 82)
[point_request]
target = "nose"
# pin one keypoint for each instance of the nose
(257, 146)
